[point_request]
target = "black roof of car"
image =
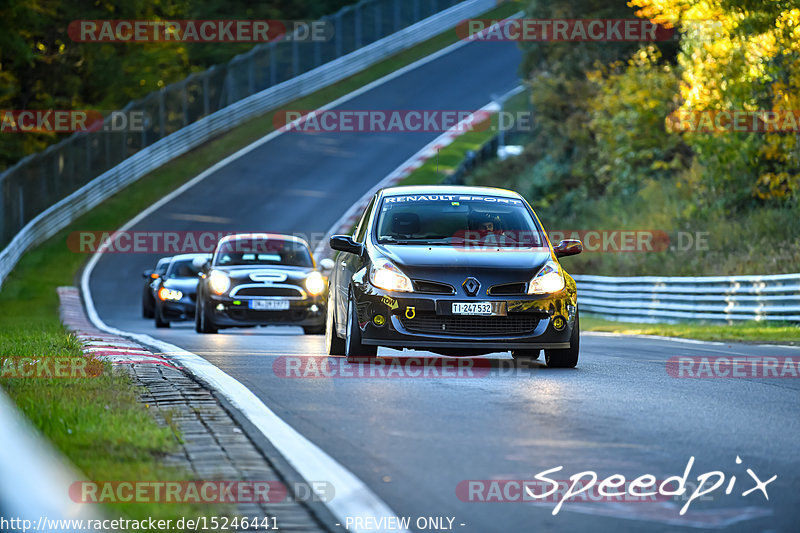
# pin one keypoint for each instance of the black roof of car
(449, 189)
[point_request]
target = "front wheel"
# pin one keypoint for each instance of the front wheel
(202, 322)
(333, 344)
(568, 357)
(353, 349)
(159, 318)
(147, 306)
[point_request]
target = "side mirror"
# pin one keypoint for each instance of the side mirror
(147, 273)
(568, 247)
(326, 265)
(206, 267)
(345, 243)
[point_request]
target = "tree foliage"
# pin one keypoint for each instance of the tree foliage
(602, 108)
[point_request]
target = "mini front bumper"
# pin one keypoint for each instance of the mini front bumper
(229, 312)
(426, 322)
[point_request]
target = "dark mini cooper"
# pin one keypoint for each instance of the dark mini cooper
(260, 279)
(454, 270)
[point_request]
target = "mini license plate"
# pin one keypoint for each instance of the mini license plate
(479, 308)
(269, 305)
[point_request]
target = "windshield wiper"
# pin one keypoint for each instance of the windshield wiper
(422, 242)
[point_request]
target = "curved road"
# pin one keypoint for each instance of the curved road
(412, 441)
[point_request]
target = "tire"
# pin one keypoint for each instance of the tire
(202, 322)
(567, 358)
(159, 319)
(525, 355)
(148, 303)
(147, 306)
(353, 349)
(314, 330)
(333, 344)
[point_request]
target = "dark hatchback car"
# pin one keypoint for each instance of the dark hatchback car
(151, 276)
(261, 279)
(176, 289)
(455, 270)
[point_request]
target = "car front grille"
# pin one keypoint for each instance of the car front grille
(286, 292)
(471, 326)
(433, 287)
(508, 289)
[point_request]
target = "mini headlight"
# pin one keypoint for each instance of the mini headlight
(169, 294)
(315, 283)
(385, 275)
(547, 281)
(218, 282)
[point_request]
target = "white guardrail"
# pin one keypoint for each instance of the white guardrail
(61, 214)
(35, 479)
(670, 299)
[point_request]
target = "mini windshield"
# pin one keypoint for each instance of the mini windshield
(263, 251)
(450, 219)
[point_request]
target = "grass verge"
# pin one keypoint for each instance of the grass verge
(98, 423)
(751, 331)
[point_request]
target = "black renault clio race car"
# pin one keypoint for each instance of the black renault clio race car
(260, 279)
(453, 270)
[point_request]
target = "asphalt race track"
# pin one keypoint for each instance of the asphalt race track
(412, 441)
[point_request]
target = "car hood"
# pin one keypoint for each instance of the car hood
(453, 265)
(185, 285)
(274, 274)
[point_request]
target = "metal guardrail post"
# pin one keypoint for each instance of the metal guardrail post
(339, 37)
(378, 21)
(396, 15)
(162, 119)
(358, 26)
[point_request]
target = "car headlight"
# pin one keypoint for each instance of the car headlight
(547, 281)
(385, 275)
(169, 294)
(218, 282)
(315, 283)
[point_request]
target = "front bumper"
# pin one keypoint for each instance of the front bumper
(226, 312)
(177, 311)
(426, 322)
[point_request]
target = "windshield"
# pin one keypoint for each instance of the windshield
(162, 265)
(182, 268)
(447, 219)
(263, 251)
